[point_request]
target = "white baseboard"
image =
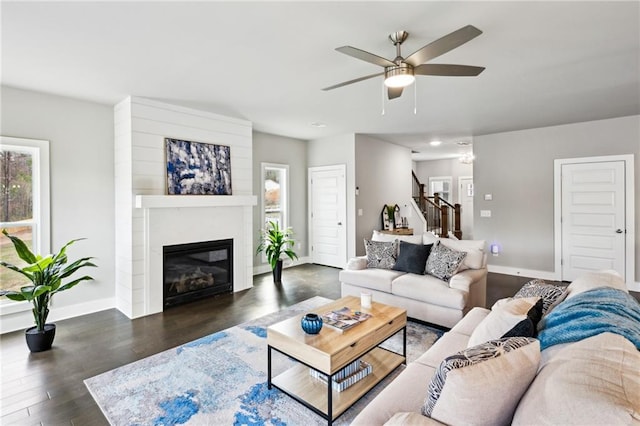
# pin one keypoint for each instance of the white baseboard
(519, 272)
(265, 267)
(24, 319)
(633, 286)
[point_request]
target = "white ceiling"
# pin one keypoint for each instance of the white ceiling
(547, 63)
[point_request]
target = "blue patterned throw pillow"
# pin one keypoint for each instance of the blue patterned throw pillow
(443, 261)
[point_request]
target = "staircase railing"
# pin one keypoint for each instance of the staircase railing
(442, 217)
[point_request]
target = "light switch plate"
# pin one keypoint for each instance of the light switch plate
(485, 213)
(488, 197)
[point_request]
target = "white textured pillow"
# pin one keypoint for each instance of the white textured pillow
(473, 248)
(504, 315)
(429, 238)
(387, 238)
(482, 385)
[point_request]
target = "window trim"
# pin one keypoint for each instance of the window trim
(283, 194)
(41, 203)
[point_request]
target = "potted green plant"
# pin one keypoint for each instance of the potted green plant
(46, 274)
(275, 242)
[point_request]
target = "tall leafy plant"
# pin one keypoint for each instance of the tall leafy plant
(46, 274)
(275, 242)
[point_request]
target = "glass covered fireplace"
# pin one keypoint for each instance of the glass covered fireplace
(197, 270)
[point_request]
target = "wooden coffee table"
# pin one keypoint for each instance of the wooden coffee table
(329, 351)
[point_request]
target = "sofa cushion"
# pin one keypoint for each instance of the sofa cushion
(426, 288)
(482, 385)
(470, 321)
(387, 238)
(429, 238)
(548, 292)
(357, 263)
(405, 393)
(443, 261)
(474, 249)
(450, 343)
(412, 257)
(411, 419)
(502, 318)
(591, 382)
(381, 255)
(595, 279)
(374, 279)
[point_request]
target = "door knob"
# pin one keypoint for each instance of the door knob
(618, 231)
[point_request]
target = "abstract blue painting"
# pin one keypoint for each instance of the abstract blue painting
(197, 168)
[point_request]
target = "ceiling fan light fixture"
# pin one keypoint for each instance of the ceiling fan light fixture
(400, 76)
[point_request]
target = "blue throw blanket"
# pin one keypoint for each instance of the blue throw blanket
(590, 313)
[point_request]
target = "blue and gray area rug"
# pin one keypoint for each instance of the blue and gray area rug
(221, 379)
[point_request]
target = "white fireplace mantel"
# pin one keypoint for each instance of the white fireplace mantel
(180, 201)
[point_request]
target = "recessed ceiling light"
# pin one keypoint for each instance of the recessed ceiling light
(435, 143)
(318, 124)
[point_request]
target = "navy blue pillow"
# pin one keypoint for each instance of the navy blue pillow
(412, 257)
(528, 326)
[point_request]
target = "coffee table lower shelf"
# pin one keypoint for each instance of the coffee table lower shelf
(297, 382)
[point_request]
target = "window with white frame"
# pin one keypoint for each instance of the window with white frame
(275, 188)
(24, 202)
(442, 186)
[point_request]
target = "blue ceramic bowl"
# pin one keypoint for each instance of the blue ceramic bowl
(311, 323)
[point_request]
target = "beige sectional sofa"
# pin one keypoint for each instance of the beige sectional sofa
(425, 297)
(593, 381)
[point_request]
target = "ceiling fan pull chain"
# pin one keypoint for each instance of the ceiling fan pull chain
(383, 87)
(415, 97)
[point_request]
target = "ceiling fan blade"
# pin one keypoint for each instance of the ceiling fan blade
(448, 70)
(394, 92)
(443, 45)
(365, 56)
(353, 81)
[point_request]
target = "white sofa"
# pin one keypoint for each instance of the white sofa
(594, 381)
(425, 297)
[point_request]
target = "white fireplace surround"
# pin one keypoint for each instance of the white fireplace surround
(174, 219)
(147, 219)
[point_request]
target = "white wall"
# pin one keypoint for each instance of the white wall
(517, 169)
(339, 150)
(383, 176)
(268, 148)
(82, 188)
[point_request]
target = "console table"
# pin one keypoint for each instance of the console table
(398, 231)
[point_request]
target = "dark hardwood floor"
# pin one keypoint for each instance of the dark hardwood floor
(47, 388)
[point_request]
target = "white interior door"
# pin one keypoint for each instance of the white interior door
(465, 199)
(328, 200)
(593, 218)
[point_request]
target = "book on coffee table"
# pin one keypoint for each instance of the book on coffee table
(344, 318)
(350, 375)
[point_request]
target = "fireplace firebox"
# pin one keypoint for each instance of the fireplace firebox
(196, 270)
